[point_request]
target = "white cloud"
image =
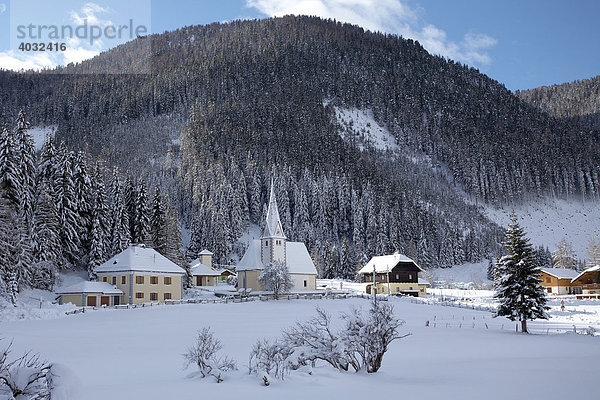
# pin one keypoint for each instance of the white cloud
(391, 16)
(76, 51)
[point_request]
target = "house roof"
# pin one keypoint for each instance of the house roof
(592, 269)
(90, 287)
(139, 258)
(560, 273)
(424, 282)
(200, 269)
(297, 258)
(385, 264)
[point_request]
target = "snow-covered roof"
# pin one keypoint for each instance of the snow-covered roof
(139, 258)
(560, 273)
(424, 282)
(297, 258)
(90, 287)
(385, 264)
(203, 270)
(273, 228)
(592, 269)
(206, 253)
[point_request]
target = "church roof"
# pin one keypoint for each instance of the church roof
(140, 258)
(297, 258)
(385, 264)
(273, 228)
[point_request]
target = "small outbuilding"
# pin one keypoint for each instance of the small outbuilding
(90, 294)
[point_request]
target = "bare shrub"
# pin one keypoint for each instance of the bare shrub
(26, 377)
(203, 353)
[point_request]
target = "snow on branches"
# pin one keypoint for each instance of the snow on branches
(360, 345)
(521, 296)
(275, 277)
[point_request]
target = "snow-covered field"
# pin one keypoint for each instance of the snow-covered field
(547, 222)
(136, 354)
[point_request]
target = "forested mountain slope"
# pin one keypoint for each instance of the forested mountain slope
(258, 99)
(578, 101)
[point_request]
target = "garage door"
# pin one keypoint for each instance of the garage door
(105, 300)
(91, 301)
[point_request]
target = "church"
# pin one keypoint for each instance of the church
(274, 246)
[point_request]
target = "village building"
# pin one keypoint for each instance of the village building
(202, 270)
(143, 275)
(559, 281)
(589, 282)
(394, 274)
(91, 294)
(273, 246)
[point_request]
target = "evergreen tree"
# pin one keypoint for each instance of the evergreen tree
(158, 223)
(518, 289)
(141, 215)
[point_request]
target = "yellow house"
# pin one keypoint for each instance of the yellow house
(274, 247)
(143, 275)
(90, 294)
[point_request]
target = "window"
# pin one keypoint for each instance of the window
(410, 288)
(153, 296)
(409, 276)
(123, 280)
(305, 283)
(278, 243)
(422, 290)
(105, 279)
(139, 295)
(154, 280)
(167, 296)
(548, 279)
(167, 280)
(398, 276)
(397, 288)
(139, 280)
(549, 290)
(114, 280)
(266, 243)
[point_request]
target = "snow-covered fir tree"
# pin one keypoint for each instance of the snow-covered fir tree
(518, 287)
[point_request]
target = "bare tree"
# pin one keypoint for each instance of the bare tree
(275, 277)
(203, 353)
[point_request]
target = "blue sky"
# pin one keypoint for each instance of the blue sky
(523, 44)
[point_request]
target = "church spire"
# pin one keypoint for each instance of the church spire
(273, 228)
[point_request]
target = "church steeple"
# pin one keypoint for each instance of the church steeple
(273, 228)
(273, 241)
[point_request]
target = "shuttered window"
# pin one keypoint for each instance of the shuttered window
(139, 280)
(167, 296)
(153, 296)
(123, 280)
(154, 280)
(167, 280)
(139, 295)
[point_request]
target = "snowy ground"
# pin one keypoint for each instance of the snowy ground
(547, 222)
(136, 353)
(468, 275)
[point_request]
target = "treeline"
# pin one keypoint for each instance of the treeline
(60, 210)
(577, 101)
